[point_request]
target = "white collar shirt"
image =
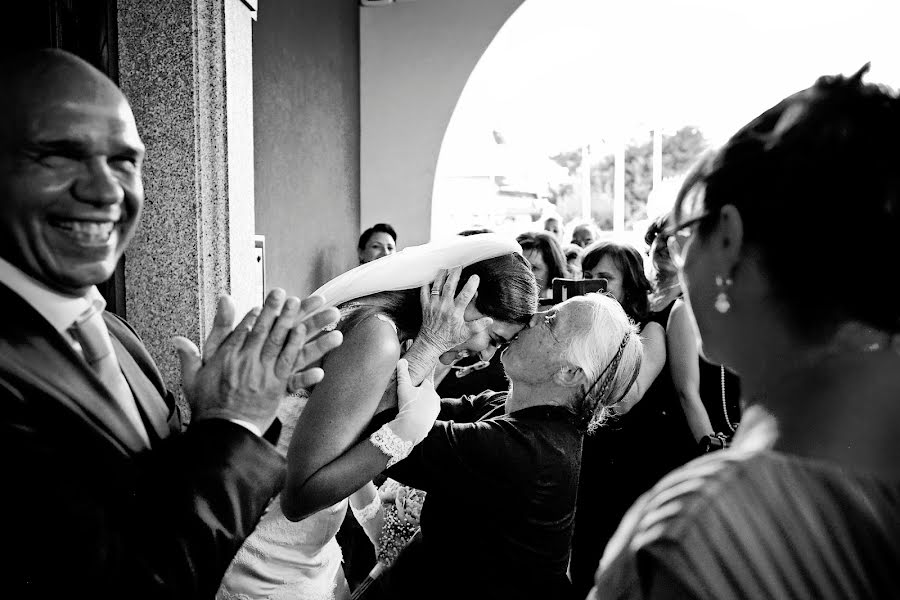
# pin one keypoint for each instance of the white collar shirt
(60, 310)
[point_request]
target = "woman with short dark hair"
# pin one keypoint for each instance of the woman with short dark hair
(375, 242)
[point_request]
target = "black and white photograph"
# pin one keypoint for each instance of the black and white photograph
(450, 299)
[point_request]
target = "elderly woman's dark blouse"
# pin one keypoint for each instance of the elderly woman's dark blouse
(497, 520)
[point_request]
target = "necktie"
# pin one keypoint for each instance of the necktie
(90, 331)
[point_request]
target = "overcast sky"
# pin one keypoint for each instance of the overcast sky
(565, 72)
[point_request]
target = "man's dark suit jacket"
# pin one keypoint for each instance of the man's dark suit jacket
(499, 511)
(88, 513)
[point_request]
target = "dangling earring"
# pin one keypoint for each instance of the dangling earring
(723, 304)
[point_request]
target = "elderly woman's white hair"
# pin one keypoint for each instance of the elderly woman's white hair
(610, 366)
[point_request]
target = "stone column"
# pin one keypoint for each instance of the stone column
(186, 67)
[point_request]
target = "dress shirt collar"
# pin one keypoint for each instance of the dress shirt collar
(60, 310)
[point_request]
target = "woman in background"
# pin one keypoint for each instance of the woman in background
(709, 394)
(375, 242)
(573, 253)
(554, 228)
(545, 256)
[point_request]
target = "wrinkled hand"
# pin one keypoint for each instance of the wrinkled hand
(244, 372)
(418, 406)
(443, 322)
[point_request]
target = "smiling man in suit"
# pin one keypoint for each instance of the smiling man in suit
(106, 494)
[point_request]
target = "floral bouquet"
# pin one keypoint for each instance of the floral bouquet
(402, 506)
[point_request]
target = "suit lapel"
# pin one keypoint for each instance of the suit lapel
(153, 410)
(154, 401)
(30, 348)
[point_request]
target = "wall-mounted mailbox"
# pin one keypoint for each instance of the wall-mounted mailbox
(259, 270)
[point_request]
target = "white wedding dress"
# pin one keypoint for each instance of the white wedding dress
(283, 560)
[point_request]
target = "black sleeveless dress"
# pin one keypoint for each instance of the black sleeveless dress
(711, 394)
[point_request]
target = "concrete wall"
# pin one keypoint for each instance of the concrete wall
(415, 60)
(185, 68)
(306, 132)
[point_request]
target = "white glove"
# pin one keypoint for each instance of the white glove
(365, 504)
(419, 407)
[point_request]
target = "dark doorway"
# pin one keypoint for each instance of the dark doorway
(83, 27)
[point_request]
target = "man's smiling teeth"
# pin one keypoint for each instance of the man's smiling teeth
(91, 231)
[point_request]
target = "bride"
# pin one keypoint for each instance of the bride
(349, 428)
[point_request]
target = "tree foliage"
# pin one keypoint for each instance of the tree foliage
(679, 151)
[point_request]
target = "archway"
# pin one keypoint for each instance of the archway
(565, 76)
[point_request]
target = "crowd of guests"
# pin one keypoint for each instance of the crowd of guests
(613, 460)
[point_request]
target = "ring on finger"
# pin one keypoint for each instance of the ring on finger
(436, 292)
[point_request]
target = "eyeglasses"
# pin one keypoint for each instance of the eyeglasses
(678, 239)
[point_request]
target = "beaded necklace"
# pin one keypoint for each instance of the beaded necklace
(733, 428)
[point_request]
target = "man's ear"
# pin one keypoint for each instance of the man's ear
(569, 376)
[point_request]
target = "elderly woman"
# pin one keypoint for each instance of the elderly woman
(806, 502)
(501, 469)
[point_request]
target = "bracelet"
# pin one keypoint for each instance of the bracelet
(367, 512)
(387, 441)
(712, 442)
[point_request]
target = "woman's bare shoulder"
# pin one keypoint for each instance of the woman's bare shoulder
(356, 374)
(375, 333)
(371, 343)
(679, 315)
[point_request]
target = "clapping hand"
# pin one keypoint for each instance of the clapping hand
(244, 372)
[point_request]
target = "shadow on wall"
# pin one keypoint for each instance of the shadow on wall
(326, 267)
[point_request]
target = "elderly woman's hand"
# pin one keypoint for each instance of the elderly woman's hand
(443, 322)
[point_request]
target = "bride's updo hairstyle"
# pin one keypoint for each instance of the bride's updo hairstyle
(822, 164)
(507, 292)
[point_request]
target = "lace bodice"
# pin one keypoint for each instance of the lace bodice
(284, 560)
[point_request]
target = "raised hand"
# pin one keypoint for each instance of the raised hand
(443, 322)
(418, 408)
(245, 372)
(311, 352)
